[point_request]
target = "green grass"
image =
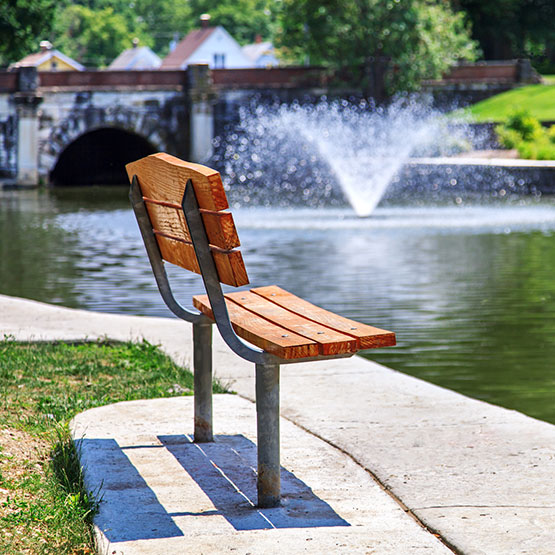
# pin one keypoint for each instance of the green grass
(44, 507)
(539, 100)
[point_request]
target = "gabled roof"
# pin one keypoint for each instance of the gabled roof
(186, 48)
(139, 57)
(257, 49)
(38, 58)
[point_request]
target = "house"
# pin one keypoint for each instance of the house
(261, 53)
(48, 59)
(211, 45)
(136, 58)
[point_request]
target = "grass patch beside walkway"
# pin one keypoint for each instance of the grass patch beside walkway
(44, 507)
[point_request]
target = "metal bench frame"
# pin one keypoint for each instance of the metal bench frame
(267, 365)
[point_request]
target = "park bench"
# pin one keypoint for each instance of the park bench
(181, 209)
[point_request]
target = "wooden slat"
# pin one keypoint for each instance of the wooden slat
(231, 268)
(329, 341)
(229, 264)
(220, 229)
(262, 333)
(163, 177)
(170, 219)
(178, 253)
(367, 337)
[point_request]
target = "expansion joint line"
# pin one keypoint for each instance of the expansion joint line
(383, 486)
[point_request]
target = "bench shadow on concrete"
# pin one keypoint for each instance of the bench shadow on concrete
(128, 510)
(224, 470)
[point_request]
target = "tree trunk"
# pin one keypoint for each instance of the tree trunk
(373, 79)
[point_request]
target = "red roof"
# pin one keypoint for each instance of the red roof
(32, 60)
(186, 48)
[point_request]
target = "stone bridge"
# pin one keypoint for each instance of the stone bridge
(82, 127)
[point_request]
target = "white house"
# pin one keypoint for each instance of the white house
(136, 58)
(210, 45)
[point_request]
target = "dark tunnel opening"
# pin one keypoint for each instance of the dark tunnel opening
(99, 157)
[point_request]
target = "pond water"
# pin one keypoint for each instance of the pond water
(470, 291)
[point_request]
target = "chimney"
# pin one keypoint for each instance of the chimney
(258, 39)
(45, 45)
(205, 21)
(135, 42)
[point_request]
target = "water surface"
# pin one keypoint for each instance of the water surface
(470, 291)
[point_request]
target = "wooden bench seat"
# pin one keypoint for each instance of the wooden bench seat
(292, 328)
(181, 209)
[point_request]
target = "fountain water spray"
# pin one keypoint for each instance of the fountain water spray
(325, 153)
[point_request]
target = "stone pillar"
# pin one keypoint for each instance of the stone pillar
(525, 73)
(201, 94)
(26, 101)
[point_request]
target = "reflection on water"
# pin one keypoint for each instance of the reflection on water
(469, 291)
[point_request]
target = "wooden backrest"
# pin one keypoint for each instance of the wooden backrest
(162, 179)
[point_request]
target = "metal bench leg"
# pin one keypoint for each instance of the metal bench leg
(202, 366)
(267, 416)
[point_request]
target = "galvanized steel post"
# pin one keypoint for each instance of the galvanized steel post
(267, 416)
(202, 366)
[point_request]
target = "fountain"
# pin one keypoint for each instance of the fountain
(459, 264)
(328, 153)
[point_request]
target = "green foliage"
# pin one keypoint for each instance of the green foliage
(23, 24)
(442, 39)
(526, 134)
(170, 20)
(386, 45)
(509, 138)
(514, 29)
(527, 127)
(95, 37)
(537, 150)
(242, 19)
(94, 32)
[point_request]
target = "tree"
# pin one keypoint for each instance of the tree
(94, 37)
(514, 29)
(242, 19)
(170, 20)
(23, 23)
(386, 45)
(78, 21)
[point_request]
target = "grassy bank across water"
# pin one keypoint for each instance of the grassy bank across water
(538, 100)
(44, 507)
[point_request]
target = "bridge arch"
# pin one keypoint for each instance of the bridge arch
(98, 157)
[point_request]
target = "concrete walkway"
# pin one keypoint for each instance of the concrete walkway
(373, 461)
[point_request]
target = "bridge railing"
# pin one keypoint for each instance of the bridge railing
(8, 81)
(112, 79)
(282, 77)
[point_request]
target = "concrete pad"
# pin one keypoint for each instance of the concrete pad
(163, 494)
(482, 477)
